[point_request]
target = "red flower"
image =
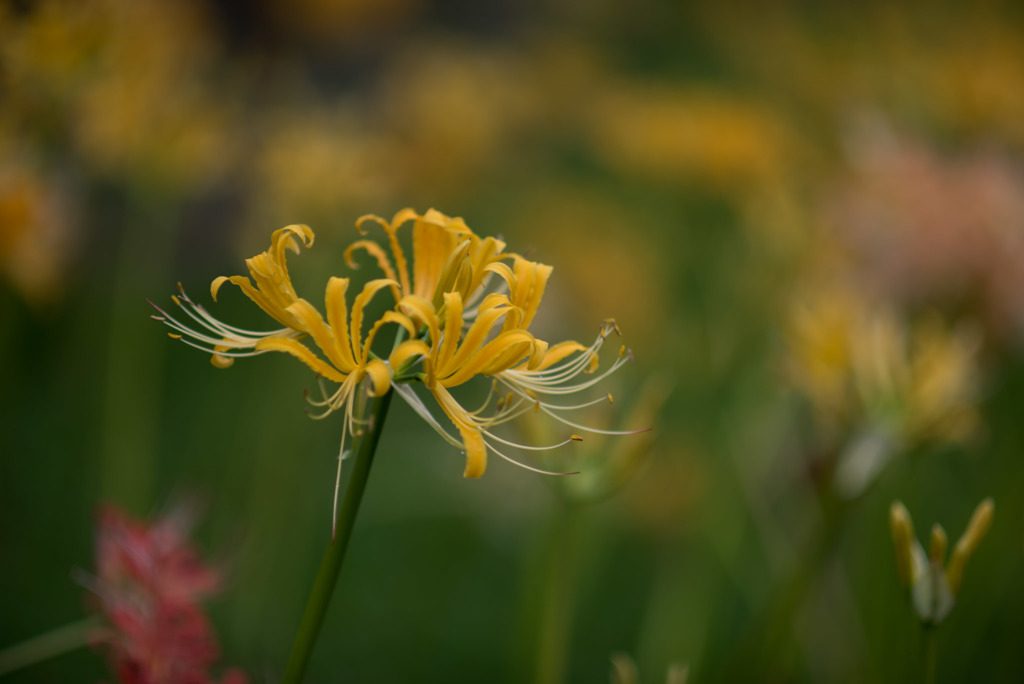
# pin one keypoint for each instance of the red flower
(149, 583)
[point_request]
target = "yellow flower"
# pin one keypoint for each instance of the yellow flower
(446, 254)
(458, 328)
(347, 357)
(470, 332)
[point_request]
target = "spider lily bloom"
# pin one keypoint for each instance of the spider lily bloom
(346, 356)
(447, 256)
(495, 344)
(470, 331)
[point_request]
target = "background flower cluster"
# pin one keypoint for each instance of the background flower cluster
(808, 222)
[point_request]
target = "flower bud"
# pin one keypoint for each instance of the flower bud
(976, 530)
(938, 544)
(903, 539)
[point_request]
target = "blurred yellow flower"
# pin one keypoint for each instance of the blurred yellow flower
(877, 384)
(35, 229)
(667, 133)
(854, 360)
(133, 102)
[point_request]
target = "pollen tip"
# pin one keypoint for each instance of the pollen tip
(576, 438)
(305, 392)
(174, 298)
(181, 289)
(611, 399)
(536, 407)
(622, 351)
(174, 336)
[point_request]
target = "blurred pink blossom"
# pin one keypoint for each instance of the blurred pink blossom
(149, 583)
(926, 228)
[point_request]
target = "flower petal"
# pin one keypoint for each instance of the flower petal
(380, 377)
(300, 351)
(472, 438)
(358, 306)
(405, 351)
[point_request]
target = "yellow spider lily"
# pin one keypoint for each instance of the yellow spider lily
(447, 256)
(471, 332)
(495, 344)
(347, 358)
(458, 330)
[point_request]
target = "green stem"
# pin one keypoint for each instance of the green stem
(765, 640)
(130, 426)
(930, 653)
(46, 646)
(330, 566)
(557, 596)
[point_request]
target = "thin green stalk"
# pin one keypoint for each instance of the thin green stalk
(554, 624)
(765, 639)
(930, 653)
(130, 426)
(330, 566)
(45, 646)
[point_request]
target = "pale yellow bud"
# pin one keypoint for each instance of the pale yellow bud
(902, 539)
(976, 530)
(938, 544)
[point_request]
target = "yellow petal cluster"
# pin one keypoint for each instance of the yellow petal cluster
(464, 305)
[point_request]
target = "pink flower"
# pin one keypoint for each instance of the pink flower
(930, 228)
(149, 583)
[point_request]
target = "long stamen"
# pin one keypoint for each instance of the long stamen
(526, 447)
(527, 467)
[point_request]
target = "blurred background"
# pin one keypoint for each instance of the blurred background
(808, 221)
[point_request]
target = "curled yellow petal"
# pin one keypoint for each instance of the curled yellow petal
(406, 351)
(388, 317)
(215, 286)
(452, 328)
(380, 377)
(422, 311)
(220, 361)
(313, 323)
(472, 438)
(337, 317)
(559, 352)
(359, 305)
(302, 353)
(391, 229)
(374, 250)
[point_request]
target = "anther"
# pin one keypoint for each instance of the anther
(576, 438)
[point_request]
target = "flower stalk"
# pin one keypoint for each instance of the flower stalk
(334, 556)
(50, 645)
